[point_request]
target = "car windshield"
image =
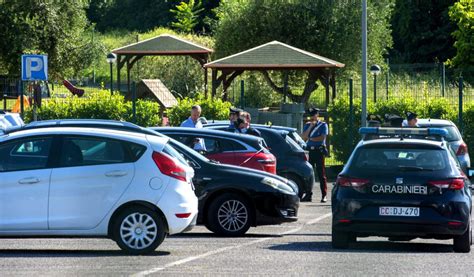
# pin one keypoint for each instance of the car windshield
(400, 159)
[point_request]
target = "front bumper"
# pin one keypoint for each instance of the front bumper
(276, 208)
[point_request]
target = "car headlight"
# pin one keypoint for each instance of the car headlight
(279, 185)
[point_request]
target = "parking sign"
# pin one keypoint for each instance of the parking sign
(34, 67)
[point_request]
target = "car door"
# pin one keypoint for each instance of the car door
(93, 173)
(24, 183)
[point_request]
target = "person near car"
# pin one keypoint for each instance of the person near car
(234, 113)
(249, 129)
(194, 122)
(412, 120)
(314, 133)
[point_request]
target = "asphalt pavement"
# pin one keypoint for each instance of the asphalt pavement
(299, 248)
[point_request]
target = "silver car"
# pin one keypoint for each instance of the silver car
(454, 139)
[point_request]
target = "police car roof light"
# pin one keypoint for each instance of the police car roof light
(403, 131)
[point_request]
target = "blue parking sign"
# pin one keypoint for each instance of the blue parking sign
(34, 67)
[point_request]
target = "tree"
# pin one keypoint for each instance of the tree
(55, 28)
(327, 28)
(187, 15)
(421, 31)
(462, 13)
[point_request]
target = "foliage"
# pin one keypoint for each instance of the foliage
(55, 28)
(187, 15)
(345, 138)
(141, 15)
(100, 105)
(211, 109)
(322, 27)
(462, 13)
(421, 32)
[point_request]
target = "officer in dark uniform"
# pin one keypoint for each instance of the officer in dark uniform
(412, 120)
(314, 133)
(234, 114)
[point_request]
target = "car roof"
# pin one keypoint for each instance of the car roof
(392, 141)
(90, 131)
(434, 122)
(207, 131)
(259, 126)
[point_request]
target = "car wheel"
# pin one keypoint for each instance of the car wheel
(229, 215)
(139, 230)
(301, 190)
(463, 242)
(340, 240)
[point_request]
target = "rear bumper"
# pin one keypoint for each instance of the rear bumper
(389, 229)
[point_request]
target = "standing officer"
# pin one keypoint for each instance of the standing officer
(314, 133)
(412, 120)
(234, 113)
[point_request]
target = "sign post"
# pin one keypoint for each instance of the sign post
(33, 68)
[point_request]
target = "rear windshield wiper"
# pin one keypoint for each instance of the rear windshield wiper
(413, 168)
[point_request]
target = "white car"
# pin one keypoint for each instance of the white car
(89, 182)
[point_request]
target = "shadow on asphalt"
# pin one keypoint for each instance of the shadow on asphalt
(212, 235)
(366, 247)
(57, 253)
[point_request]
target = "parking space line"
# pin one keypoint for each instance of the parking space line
(223, 249)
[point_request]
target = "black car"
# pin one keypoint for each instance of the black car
(231, 198)
(292, 160)
(402, 183)
(262, 198)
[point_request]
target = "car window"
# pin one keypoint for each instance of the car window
(213, 145)
(78, 151)
(395, 159)
(25, 154)
(136, 150)
(168, 149)
(231, 146)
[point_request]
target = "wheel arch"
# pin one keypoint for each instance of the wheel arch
(220, 192)
(136, 203)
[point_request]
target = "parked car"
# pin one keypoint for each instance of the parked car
(267, 198)
(402, 186)
(292, 160)
(226, 147)
(232, 198)
(454, 139)
(84, 182)
(9, 121)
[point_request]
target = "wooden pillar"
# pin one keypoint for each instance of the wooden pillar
(214, 82)
(128, 77)
(333, 85)
(326, 85)
(119, 66)
(205, 82)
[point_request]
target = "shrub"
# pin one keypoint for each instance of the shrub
(344, 139)
(211, 109)
(99, 105)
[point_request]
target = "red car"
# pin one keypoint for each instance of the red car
(226, 147)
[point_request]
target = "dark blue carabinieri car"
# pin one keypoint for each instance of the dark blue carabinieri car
(402, 183)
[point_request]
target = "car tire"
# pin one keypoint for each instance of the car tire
(301, 190)
(138, 230)
(229, 215)
(462, 243)
(340, 240)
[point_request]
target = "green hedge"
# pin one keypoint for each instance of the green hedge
(100, 105)
(211, 109)
(344, 138)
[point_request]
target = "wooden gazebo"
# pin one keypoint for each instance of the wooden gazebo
(276, 55)
(163, 45)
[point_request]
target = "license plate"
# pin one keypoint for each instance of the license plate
(399, 211)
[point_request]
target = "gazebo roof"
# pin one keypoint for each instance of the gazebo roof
(274, 55)
(162, 45)
(154, 88)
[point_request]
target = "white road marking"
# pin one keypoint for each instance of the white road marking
(223, 249)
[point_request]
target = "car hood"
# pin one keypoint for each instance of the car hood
(238, 170)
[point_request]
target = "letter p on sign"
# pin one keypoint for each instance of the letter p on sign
(34, 67)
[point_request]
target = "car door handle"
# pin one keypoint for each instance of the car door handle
(31, 180)
(116, 173)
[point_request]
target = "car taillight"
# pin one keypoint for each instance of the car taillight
(456, 184)
(269, 164)
(462, 150)
(351, 182)
(168, 166)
